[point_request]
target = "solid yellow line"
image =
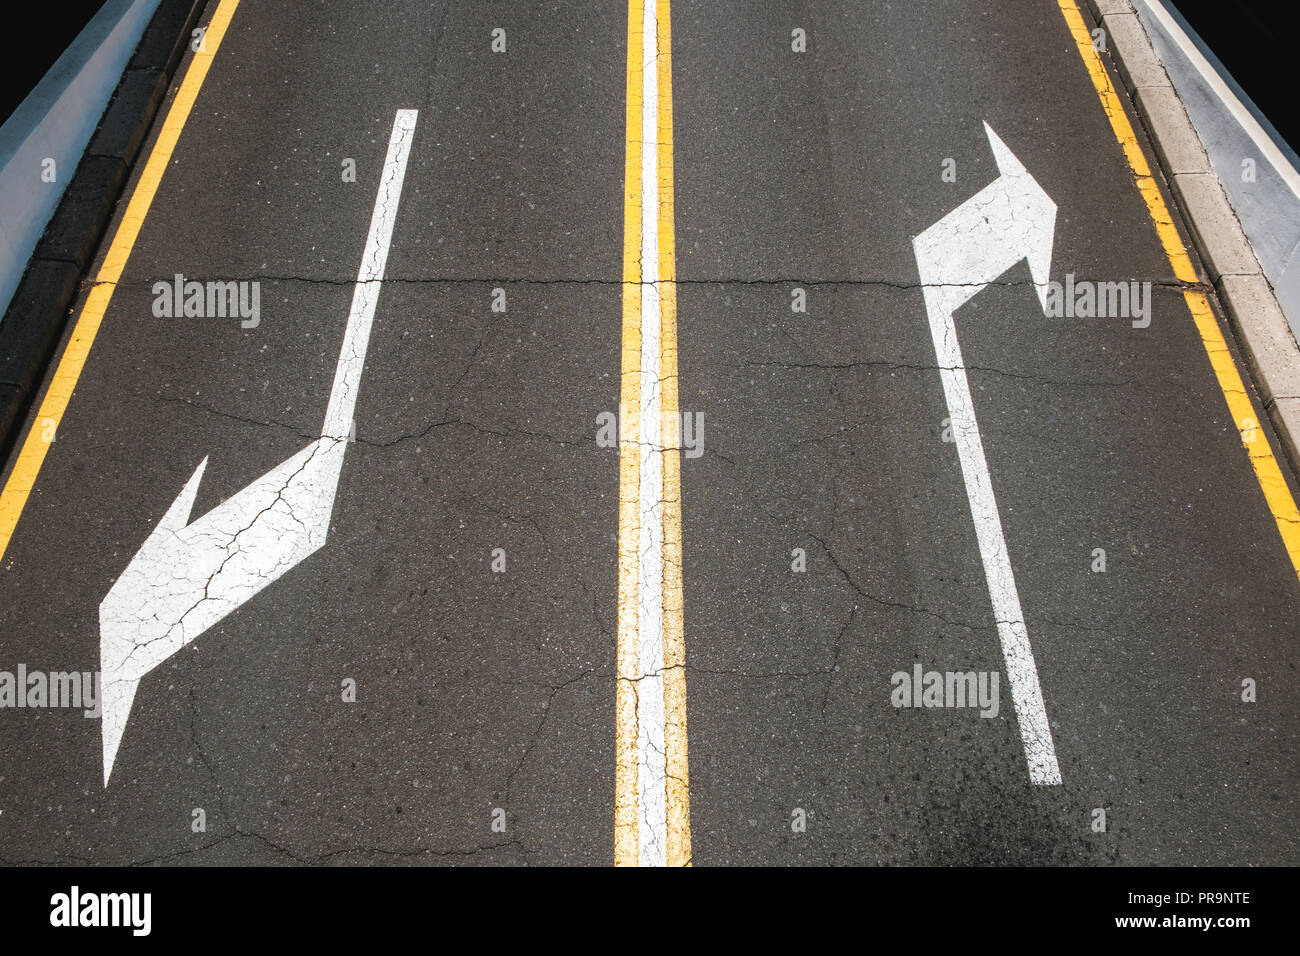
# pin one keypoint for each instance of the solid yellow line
(1276, 492)
(23, 477)
(1280, 500)
(676, 765)
(1114, 107)
(626, 819)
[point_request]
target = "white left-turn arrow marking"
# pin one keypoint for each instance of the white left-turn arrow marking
(1008, 220)
(187, 577)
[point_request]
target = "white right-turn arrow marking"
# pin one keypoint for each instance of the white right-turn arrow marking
(187, 577)
(1008, 220)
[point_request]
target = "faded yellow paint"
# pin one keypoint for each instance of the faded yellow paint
(677, 786)
(676, 766)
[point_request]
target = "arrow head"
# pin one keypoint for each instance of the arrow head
(1032, 210)
(119, 630)
(178, 515)
(188, 575)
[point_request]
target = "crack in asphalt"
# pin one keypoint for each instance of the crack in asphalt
(237, 831)
(897, 605)
(825, 282)
(537, 730)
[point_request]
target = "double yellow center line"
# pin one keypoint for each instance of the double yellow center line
(652, 800)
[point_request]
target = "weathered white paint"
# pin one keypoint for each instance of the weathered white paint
(187, 577)
(1008, 220)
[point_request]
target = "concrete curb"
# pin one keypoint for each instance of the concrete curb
(46, 136)
(1257, 321)
(39, 311)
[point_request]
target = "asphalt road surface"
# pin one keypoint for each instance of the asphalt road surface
(520, 643)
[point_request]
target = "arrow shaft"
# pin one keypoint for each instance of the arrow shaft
(1022, 672)
(365, 296)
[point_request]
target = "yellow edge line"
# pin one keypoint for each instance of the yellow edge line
(1280, 501)
(1276, 492)
(626, 823)
(676, 765)
(23, 477)
(1114, 107)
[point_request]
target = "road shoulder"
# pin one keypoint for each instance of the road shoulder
(34, 323)
(1244, 293)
